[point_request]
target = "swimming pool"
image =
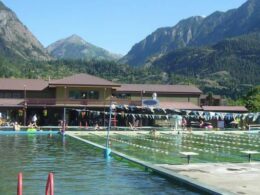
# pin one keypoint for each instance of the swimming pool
(165, 148)
(78, 168)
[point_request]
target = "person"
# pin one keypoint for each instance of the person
(132, 127)
(97, 127)
(63, 128)
(32, 125)
(201, 123)
(17, 126)
(153, 133)
(184, 123)
(34, 119)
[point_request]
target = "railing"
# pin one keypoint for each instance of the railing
(254, 127)
(59, 101)
(49, 189)
(20, 184)
(44, 101)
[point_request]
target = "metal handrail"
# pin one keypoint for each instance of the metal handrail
(49, 189)
(20, 184)
(54, 101)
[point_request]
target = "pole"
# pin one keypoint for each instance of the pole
(64, 121)
(188, 157)
(25, 107)
(64, 113)
(176, 123)
(142, 97)
(108, 150)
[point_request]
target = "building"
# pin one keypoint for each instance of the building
(87, 100)
(20, 99)
(169, 96)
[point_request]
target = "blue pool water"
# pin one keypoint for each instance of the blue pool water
(78, 169)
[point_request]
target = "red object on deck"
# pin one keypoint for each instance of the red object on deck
(49, 189)
(20, 184)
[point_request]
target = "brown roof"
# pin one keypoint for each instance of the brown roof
(21, 84)
(179, 105)
(225, 108)
(159, 88)
(11, 102)
(83, 80)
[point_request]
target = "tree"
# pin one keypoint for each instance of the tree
(252, 100)
(209, 99)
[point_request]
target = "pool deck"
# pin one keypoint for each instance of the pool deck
(236, 178)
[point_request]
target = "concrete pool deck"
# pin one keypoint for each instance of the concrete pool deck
(240, 178)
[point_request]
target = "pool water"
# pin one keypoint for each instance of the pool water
(78, 169)
(166, 148)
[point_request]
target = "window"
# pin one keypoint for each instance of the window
(11, 94)
(8, 95)
(123, 96)
(17, 95)
(84, 95)
(74, 95)
(93, 95)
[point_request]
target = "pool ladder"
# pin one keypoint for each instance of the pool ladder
(49, 189)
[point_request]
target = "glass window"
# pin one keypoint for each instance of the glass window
(17, 95)
(123, 96)
(84, 95)
(74, 95)
(8, 95)
(93, 95)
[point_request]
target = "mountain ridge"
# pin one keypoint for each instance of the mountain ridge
(75, 47)
(196, 31)
(16, 40)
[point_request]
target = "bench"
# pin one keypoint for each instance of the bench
(188, 155)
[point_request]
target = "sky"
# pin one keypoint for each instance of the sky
(115, 25)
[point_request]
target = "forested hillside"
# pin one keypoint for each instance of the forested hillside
(225, 68)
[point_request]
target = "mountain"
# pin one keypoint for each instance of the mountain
(196, 31)
(16, 41)
(162, 41)
(74, 47)
(229, 65)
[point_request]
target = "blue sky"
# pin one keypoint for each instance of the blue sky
(115, 25)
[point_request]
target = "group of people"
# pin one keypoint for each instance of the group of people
(32, 124)
(201, 124)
